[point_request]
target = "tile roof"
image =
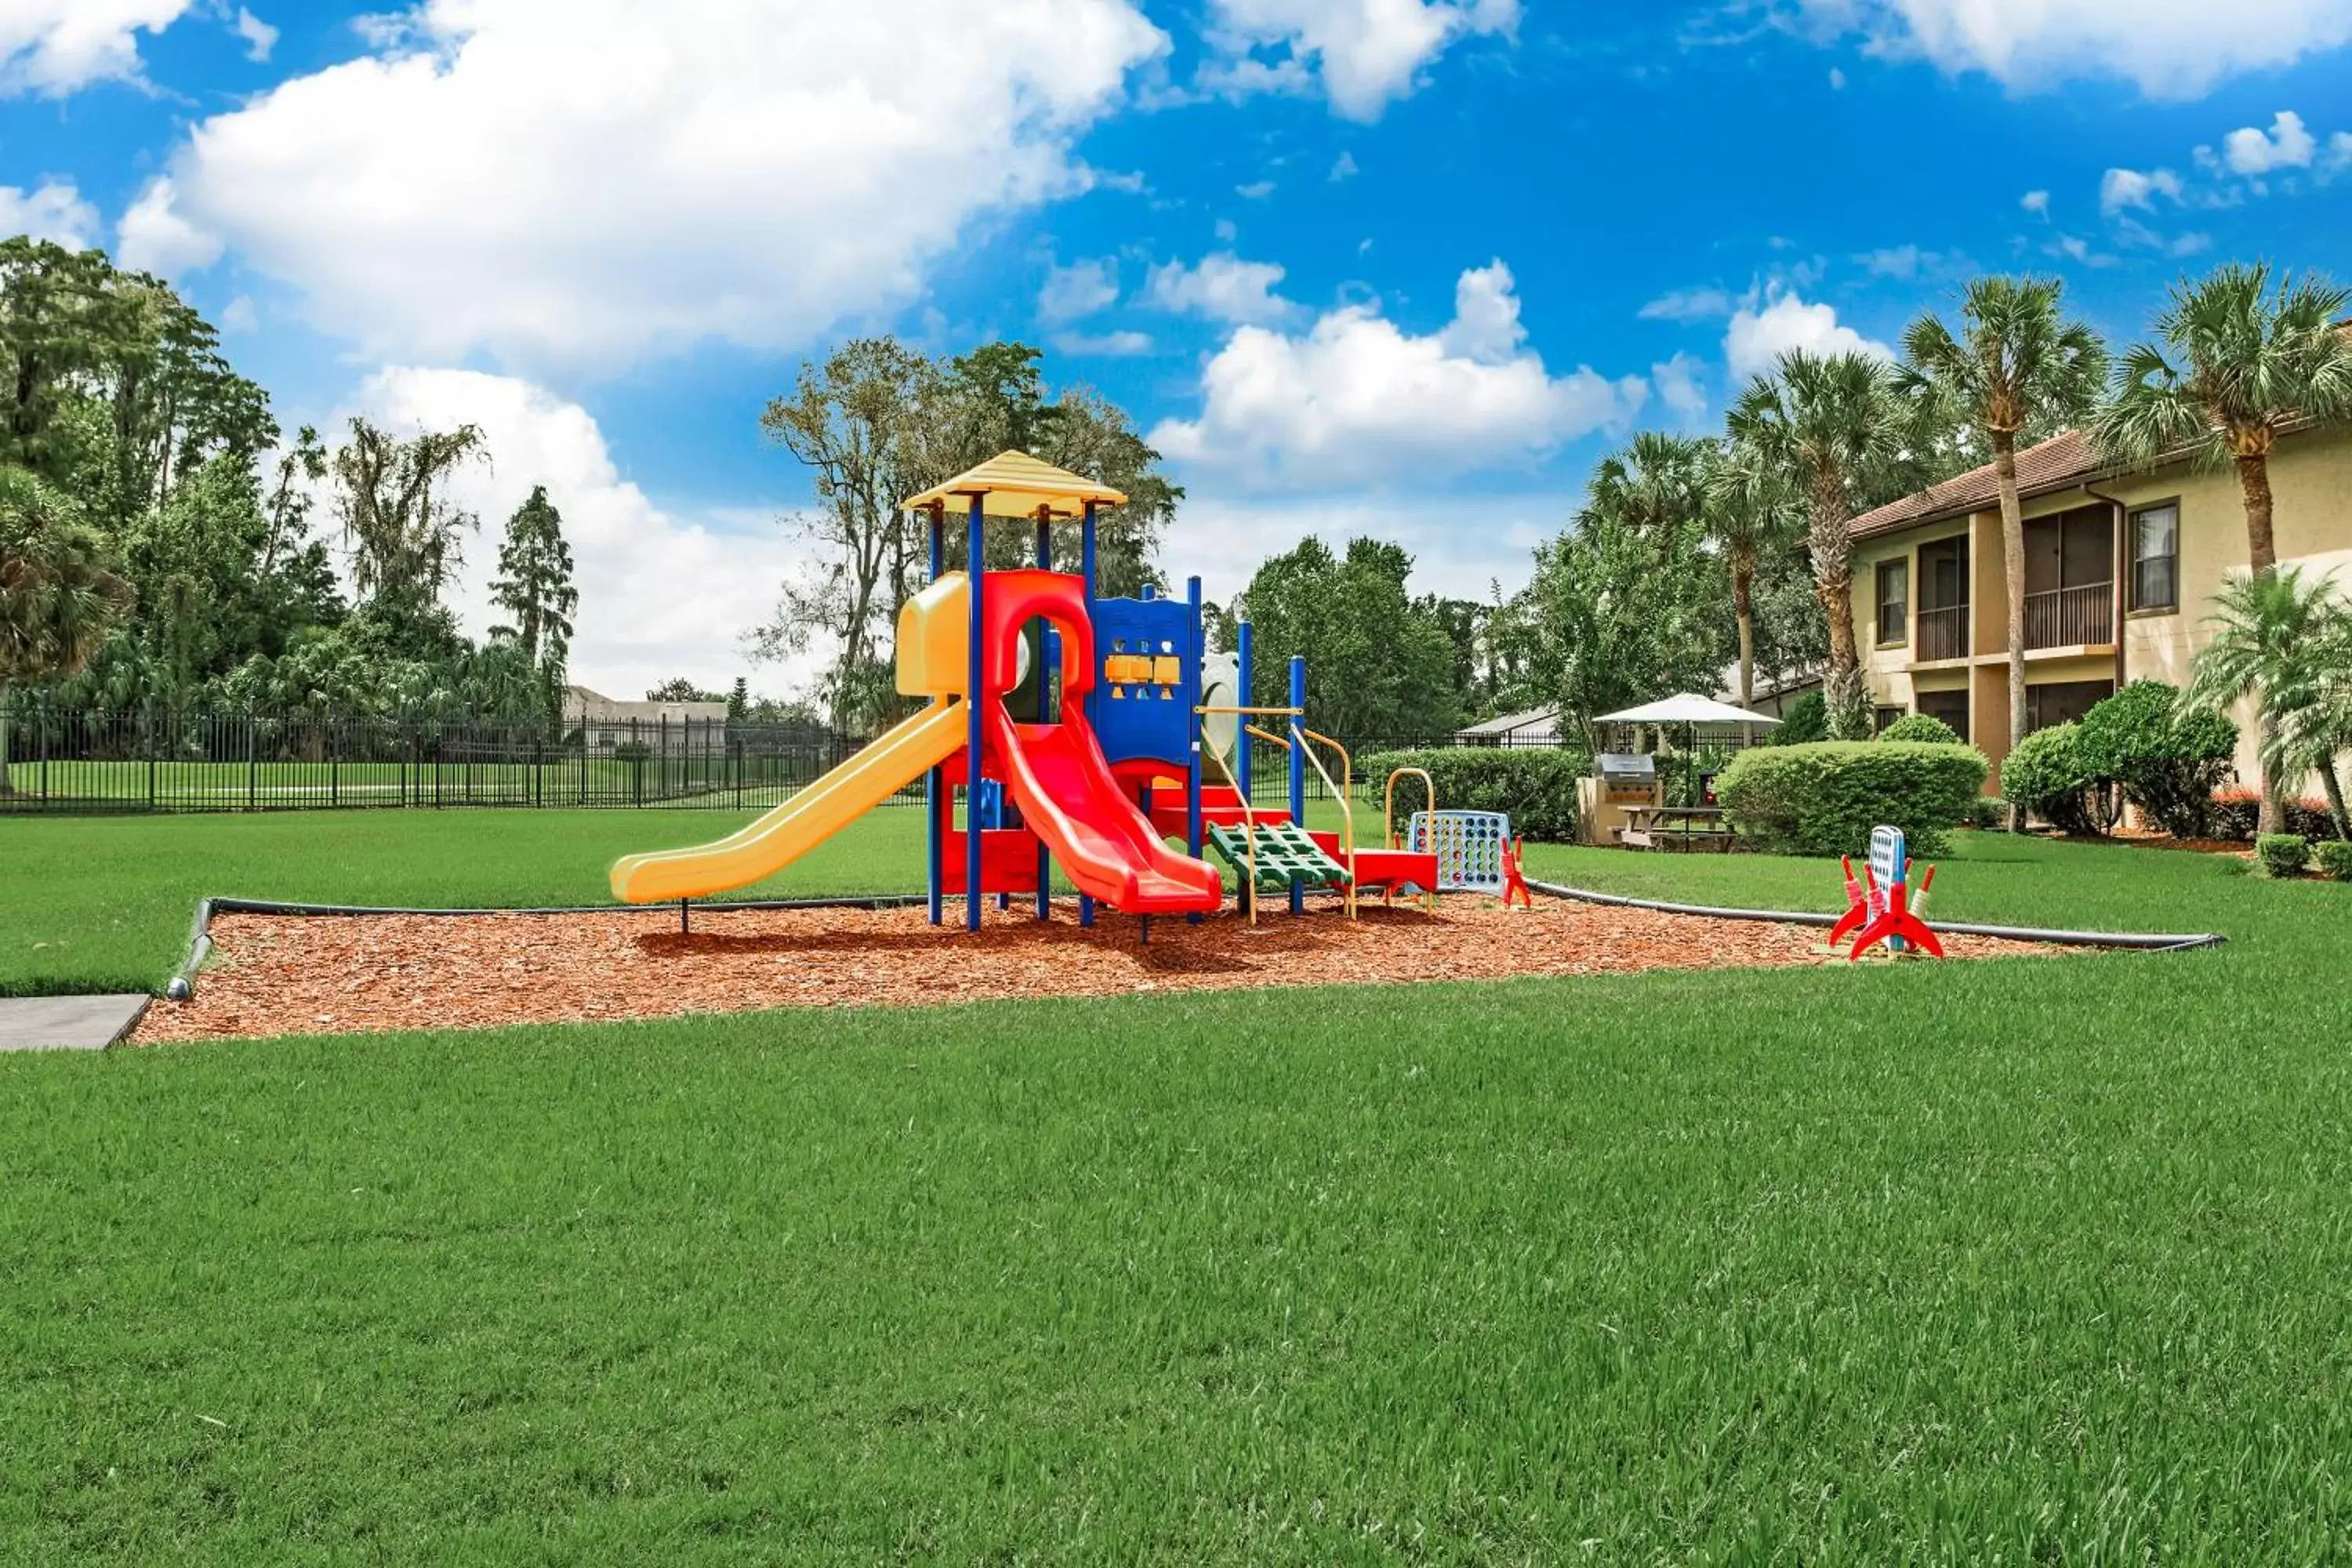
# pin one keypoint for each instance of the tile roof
(2053, 465)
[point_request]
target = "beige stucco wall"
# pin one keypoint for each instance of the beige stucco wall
(2311, 485)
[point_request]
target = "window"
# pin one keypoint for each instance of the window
(2064, 702)
(1951, 707)
(1893, 602)
(1886, 716)
(2156, 557)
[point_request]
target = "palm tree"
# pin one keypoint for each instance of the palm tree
(1751, 509)
(2273, 634)
(2019, 366)
(2246, 363)
(2318, 726)
(57, 600)
(1831, 423)
(1656, 486)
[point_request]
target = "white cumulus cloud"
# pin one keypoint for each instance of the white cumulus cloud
(1762, 330)
(1679, 387)
(55, 46)
(1355, 401)
(2121, 190)
(53, 211)
(1687, 305)
(1078, 290)
(1365, 54)
(259, 37)
(659, 596)
(1222, 287)
(589, 183)
(2286, 145)
(154, 237)
(2169, 48)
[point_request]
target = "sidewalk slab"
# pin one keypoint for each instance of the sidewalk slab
(66, 1023)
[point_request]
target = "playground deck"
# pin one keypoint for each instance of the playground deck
(276, 975)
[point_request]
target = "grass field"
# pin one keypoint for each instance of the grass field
(2028, 1261)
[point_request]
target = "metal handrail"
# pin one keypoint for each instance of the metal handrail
(1388, 816)
(1388, 802)
(1346, 813)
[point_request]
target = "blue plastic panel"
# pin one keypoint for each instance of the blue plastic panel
(1143, 714)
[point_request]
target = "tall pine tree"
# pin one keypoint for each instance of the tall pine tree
(534, 588)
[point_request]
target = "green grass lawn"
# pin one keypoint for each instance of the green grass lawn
(2022, 1261)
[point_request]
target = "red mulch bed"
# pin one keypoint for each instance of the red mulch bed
(275, 974)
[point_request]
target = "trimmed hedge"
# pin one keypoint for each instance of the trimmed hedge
(2046, 775)
(1925, 728)
(1537, 786)
(2283, 853)
(1824, 797)
(2335, 857)
(2237, 812)
(2169, 759)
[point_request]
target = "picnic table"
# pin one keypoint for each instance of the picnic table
(1676, 827)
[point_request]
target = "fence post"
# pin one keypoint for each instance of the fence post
(334, 759)
(148, 720)
(252, 764)
(45, 748)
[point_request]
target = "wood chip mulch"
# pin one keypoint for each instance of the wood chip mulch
(277, 974)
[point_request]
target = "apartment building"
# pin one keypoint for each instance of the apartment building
(2120, 567)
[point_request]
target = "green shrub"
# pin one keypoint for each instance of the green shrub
(2168, 759)
(2045, 774)
(2283, 853)
(1925, 728)
(1536, 786)
(2335, 857)
(1824, 797)
(1987, 812)
(1807, 721)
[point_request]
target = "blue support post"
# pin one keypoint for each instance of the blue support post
(1297, 763)
(1192, 732)
(1087, 571)
(1049, 656)
(935, 784)
(976, 569)
(1242, 747)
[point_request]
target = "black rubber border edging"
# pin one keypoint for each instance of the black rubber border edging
(2133, 940)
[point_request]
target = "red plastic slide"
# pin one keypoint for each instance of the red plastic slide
(1057, 776)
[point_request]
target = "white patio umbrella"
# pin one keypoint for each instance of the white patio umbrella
(1686, 708)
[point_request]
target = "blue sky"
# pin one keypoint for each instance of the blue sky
(1403, 267)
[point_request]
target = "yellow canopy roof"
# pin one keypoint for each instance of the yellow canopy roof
(1014, 484)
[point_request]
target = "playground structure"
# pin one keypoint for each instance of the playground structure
(1879, 907)
(1079, 730)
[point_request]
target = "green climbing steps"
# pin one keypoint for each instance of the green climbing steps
(1285, 855)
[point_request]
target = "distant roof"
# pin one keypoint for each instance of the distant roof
(1505, 723)
(1014, 484)
(2057, 464)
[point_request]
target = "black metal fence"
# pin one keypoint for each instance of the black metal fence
(79, 761)
(157, 759)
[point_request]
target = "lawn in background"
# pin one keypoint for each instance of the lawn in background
(104, 903)
(2026, 1260)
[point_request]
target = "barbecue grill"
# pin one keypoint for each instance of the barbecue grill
(1627, 778)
